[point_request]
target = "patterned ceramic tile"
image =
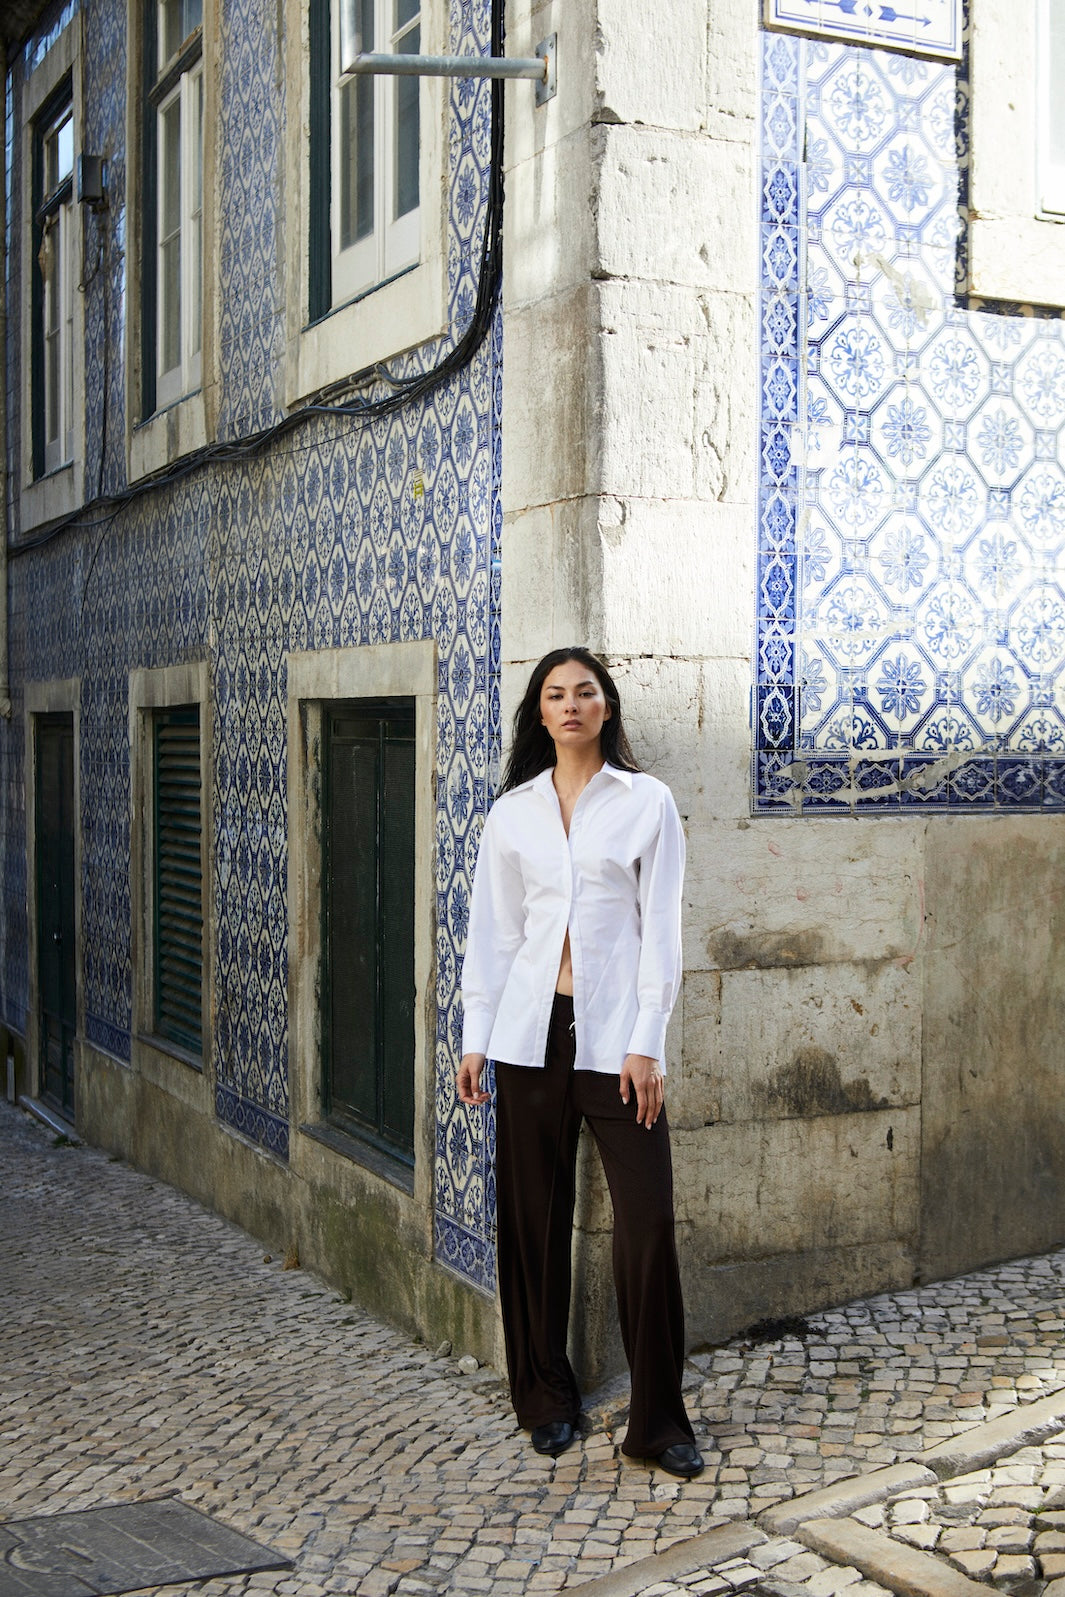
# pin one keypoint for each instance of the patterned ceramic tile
(341, 535)
(911, 600)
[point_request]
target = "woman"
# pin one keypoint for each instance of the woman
(572, 967)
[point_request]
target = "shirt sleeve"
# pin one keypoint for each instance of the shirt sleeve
(495, 933)
(661, 963)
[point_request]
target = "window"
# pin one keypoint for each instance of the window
(366, 141)
(177, 878)
(1017, 167)
(368, 922)
(48, 256)
(54, 234)
(1051, 53)
(172, 305)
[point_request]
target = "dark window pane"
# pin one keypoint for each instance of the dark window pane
(407, 132)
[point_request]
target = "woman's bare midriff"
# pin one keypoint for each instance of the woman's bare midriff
(564, 979)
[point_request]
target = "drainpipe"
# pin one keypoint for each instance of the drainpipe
(5, 686)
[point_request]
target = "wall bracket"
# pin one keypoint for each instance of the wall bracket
(539, 67)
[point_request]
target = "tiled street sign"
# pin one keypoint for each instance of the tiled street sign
(932, 27)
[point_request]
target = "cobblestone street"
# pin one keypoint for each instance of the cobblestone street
(150, 1348)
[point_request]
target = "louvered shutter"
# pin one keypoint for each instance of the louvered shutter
(178, 879)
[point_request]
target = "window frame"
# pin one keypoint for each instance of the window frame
(393, 242)
(48, 488)
(160, 431)
(167, 83)
(1016, 247)
(318, 680)
(328, 343)
(1051, 174)
(54, 212)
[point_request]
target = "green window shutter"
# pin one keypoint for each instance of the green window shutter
(178, 879)
(368, 907)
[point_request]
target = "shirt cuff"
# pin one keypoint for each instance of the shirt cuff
(649, 1035)
(476, 1031)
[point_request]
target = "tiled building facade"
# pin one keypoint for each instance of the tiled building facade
(833, 585)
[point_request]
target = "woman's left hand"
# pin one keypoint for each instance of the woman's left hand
(645, 1075)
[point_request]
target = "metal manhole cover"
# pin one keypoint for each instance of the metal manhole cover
(99, 1551)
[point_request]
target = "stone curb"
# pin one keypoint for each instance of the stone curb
(712, 1547)
(858, 1491)
(975, 1449)
(959, 1455)
(821, 1519)
(902, 1569)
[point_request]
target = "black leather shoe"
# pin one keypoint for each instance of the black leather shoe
(554, 1437)
(683, 1458)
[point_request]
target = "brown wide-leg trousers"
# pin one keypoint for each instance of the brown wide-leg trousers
(538, 1120)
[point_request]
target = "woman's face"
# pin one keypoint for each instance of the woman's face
(573, 705)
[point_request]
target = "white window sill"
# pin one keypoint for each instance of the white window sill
(167, 436)
(398, 316)
(49, 497)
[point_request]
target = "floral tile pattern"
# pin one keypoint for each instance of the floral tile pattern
(341, 535)
(911, 578)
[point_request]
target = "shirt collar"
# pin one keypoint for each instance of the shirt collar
(543, 782)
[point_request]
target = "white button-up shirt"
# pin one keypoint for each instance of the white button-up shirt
(614, 884)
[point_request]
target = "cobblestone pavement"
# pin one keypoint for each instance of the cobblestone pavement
(150, 1348)
(1005, 1525)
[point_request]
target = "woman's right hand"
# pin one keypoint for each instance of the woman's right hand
(468, 1080)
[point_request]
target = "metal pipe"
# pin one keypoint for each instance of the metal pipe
(452, 66)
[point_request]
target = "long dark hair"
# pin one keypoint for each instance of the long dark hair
(533, 750)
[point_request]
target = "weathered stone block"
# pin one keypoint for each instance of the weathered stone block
(726, 415)
(732, 70)
(994, 991)
(760, 1189)
(547, 446)
(648, 179)
(651, 62)
(551, 583)
(549, 196)
(648, 355)
(722, 1299)
(781, 1044)
(788, 893)
(532, 128)
(678, 572)
(683, 723)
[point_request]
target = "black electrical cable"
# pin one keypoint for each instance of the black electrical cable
(404, 390)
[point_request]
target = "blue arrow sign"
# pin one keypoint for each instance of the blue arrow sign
(889, 14)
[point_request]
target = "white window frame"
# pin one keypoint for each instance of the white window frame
(1016, 245)
(393, 244)
(1051, 105)
(184, 375)
(184, 415)
(57, 302)
(403, 310)
(58, 489)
